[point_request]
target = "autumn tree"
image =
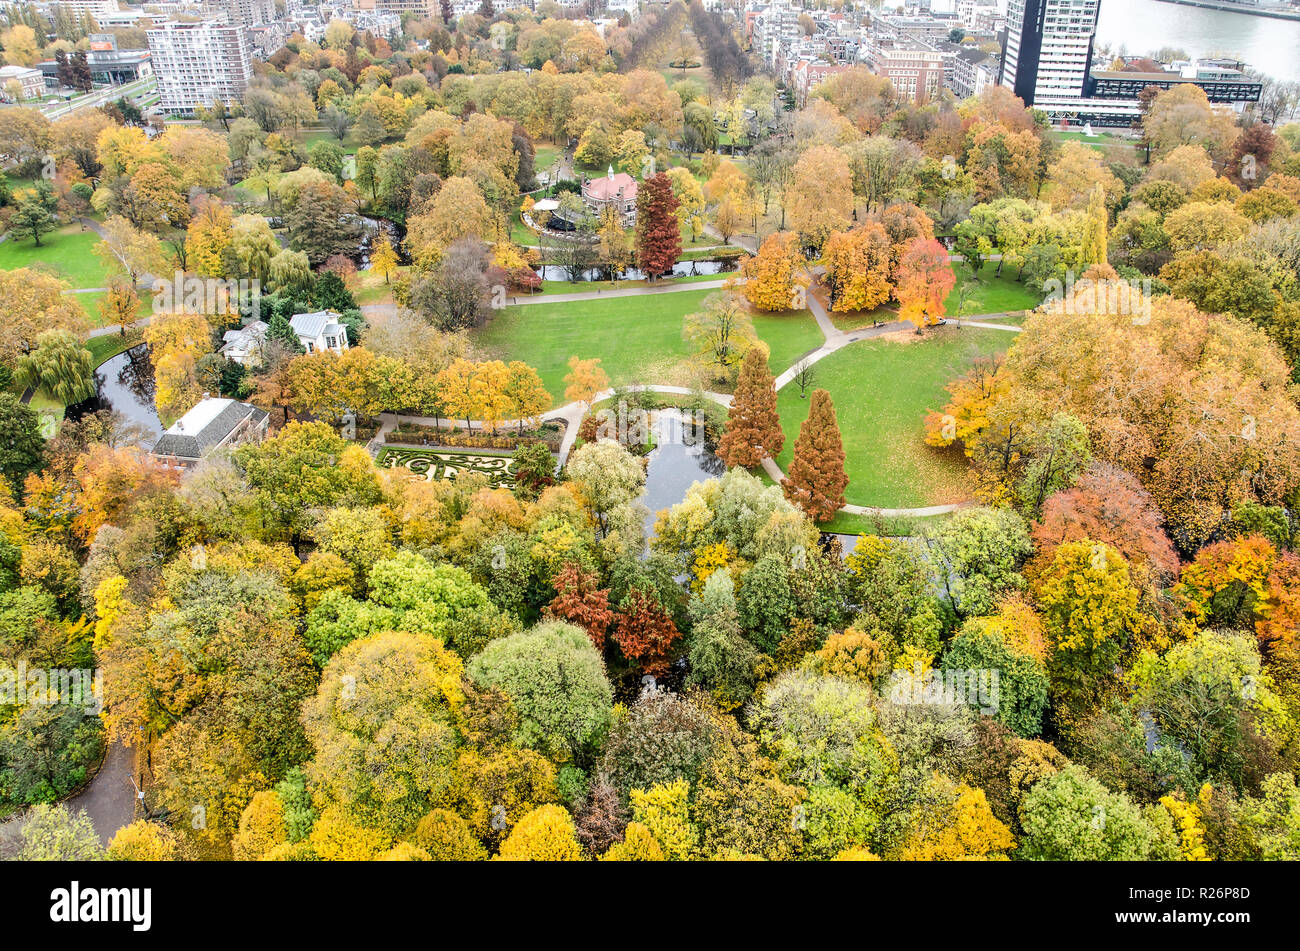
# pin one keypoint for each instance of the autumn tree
(383, 259)
(580, 600)
(584, 380)
(658, 233)
(925, 279)
(722, 334)
(819, 198)
(858, 268)
(817, 480)
(753, 430)
(774, 278)
(645, 632)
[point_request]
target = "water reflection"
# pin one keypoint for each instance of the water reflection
(554, 272)
(124, 384)
(674, 465)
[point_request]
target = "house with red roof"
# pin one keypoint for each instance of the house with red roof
(614, 190)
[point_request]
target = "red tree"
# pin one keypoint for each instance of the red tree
(658, 234)
(753, 430)
(580, 600)
(924, 281)
(817, 479)
(645, 632)
(1107, 505)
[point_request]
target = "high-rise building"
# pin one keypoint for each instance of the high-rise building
(240, 12)
(200, 63)
(1049, 49)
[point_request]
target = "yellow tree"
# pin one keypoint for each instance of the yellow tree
(615, 243)
(127, 250)
(30, 303)
(584, 380)
(819, 199)
(955, 824)
(458, 211)
(1095, 227)
(456, 391)
(690, 199)
(383, 258)
(774, 279)
(208, 238)
(528, 396)
(20, 45)
(858, 267)
(1078, 170)
(490, 392)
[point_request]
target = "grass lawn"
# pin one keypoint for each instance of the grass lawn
(107, 346)
(789, 335)
(309, 137)
(638, 339)
(989, 294)
(1100, 141)
(91, 303)
(882, 390)
(545, 157)
(376, 292)
(50, 410)
(66, 253)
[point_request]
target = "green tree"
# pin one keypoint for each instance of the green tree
(563, 724)
(1072, 817)
(31, 220)
(1021, 695)
(383, 725)
(58, 834)
(60, 365)
(22, 448)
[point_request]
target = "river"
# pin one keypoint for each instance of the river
(1143, 26)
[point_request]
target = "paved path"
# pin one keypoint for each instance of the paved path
(109, 800)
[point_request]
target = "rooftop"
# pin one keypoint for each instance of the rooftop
(204, 427)
(314, 324)
(613, 185)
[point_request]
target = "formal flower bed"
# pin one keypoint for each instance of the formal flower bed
(435, 464)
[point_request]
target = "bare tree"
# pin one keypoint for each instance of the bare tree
(804, 376)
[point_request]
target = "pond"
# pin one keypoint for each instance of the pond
(554, 272)
(375, 229)
(124, 385)
(676, 463)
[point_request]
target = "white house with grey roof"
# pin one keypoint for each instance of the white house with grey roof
(247, 345)
(320, 331)
(212, 424)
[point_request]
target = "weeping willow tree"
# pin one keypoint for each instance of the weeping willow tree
(60, 366)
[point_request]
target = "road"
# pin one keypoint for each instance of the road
(100, 97)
